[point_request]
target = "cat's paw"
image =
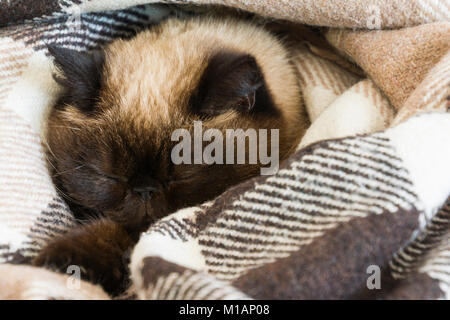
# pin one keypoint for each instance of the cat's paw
(58, 255)
(100, 251)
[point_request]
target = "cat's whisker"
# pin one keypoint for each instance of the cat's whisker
(67, 127)
(49, 149)
(70, 170)
(66, 196)
(50, 162)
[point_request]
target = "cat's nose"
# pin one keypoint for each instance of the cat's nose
(145, 186)
(145, 192)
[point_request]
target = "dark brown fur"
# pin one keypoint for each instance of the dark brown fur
(109, 143)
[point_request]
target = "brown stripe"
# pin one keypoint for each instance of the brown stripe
(317, 68)
(305, 68)
(333, 266)
(155, 267)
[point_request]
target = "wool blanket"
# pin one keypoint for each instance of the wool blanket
(360, 211)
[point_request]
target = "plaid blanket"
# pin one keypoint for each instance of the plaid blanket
(360, 211)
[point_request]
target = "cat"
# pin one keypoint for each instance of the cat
(108, 138)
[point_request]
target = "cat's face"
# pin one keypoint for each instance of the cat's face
(109, 137)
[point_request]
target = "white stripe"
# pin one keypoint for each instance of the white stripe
(168, 284)
(16, 63)
(290, 209)
(339, 214)
(375, 166)
(176, 227)
(263, 228)
(201, 294)
(156, 289)
(431, 92)
(256, 256)
(180, 279)
(324, 200)
(355, 166)
(25, 140)
(355, 178)
(245, 247)
(200, 281)
(351, 188)
(338, 194)
(189, 279)
(10, 74)
(252, 262)
(440, 15)
(282, 241)
(360, 147)
(280, 220)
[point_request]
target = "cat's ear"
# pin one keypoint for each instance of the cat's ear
(80, 73)
(231, 81)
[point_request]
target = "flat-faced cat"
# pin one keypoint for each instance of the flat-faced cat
(109, 137)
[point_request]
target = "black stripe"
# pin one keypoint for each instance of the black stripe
(236, 217)
(371, 157)
(247, 241)
(292, 218)
(188, 289)
(304, 210)
(323, 195)
(261, 232)
(362, 165)
(337, 178)
(230, 265)
(213, 244)
(299, 199)
(329, 166)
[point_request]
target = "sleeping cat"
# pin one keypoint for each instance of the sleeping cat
(109, 141)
